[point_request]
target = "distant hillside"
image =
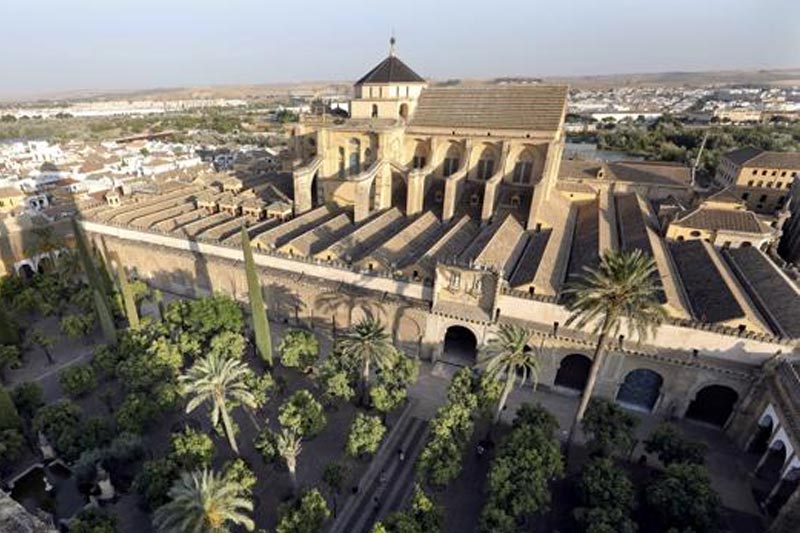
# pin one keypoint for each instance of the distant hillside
(273, 90)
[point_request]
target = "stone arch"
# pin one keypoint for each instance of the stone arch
(409, 334)
(787, 486)
(460, 346)
(354, 156)
(453, 158)
(760, 441)
(573, 372)
(524, 163)
(713, 404)
(487, 162)
(46, 264)
(26, 269)
(640, 389)
(421, 155)
(771, 466)
(374, 110)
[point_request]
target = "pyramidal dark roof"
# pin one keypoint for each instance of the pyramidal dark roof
(391, 70)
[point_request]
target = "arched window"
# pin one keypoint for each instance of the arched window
(404, 111)
(486, 163)
(523, 168)
(355, 156)
(341, 162)
(374, 110)
(452, 160)
(420, 155)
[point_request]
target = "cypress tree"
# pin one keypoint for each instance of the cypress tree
(257, 308)
(96, 284)
(127, 296)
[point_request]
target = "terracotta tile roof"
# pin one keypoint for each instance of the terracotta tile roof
(709, 296)
(391, 70)
(755, 157)
(721, 219)
(512, 107)
(528, 264)
(775, 296)
(645, 172)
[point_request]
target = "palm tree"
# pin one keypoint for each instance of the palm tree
(368, 343)
(221, 381)
(621, 292)
(509, 357)
(204, 502)
(289, 446)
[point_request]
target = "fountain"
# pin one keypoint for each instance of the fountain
(50, 488)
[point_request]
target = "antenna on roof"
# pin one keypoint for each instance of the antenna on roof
(392, 42)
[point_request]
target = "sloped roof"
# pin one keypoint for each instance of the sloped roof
(722, 219)
(391, 70)
(709, 296)
(645, 172)
(773, 294)
(751, 156)
(514, 107)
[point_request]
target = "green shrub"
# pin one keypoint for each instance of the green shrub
(78, 380)
(191, 449)
(302, 414)
(266, 442)
(299, 349)
(93, 520)
(366, 434)
(307, 514)
(672, 447)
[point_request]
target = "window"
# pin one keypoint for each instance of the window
(523, 168)
(439, 197)
(745, 196)
(694, 233)
(403, 111)
(341, 162)
(455, 280)
(763, 172)
(750, 183)
(477, 285)
(769, 185)
(374, 111)
(515, 201)
(450, 166)
(755, 172)
(474, 200)
(783, 174)
(485, 169)
(763, 198)
(419, 161)
(761, 183)
(452, 160)
(774, 172)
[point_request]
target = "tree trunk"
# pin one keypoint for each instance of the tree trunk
(504, 397)
(226, 422)
(293, 477)
(364, 382)
(597, 363)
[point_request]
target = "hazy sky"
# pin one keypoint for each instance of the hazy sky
(55, 45)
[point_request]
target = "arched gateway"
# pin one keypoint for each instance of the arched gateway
(460, 346)
(713, 404)
(640, 390)
(573, 372)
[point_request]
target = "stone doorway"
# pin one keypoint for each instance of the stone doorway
(460, 346)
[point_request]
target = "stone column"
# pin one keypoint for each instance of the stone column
(415, 195)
